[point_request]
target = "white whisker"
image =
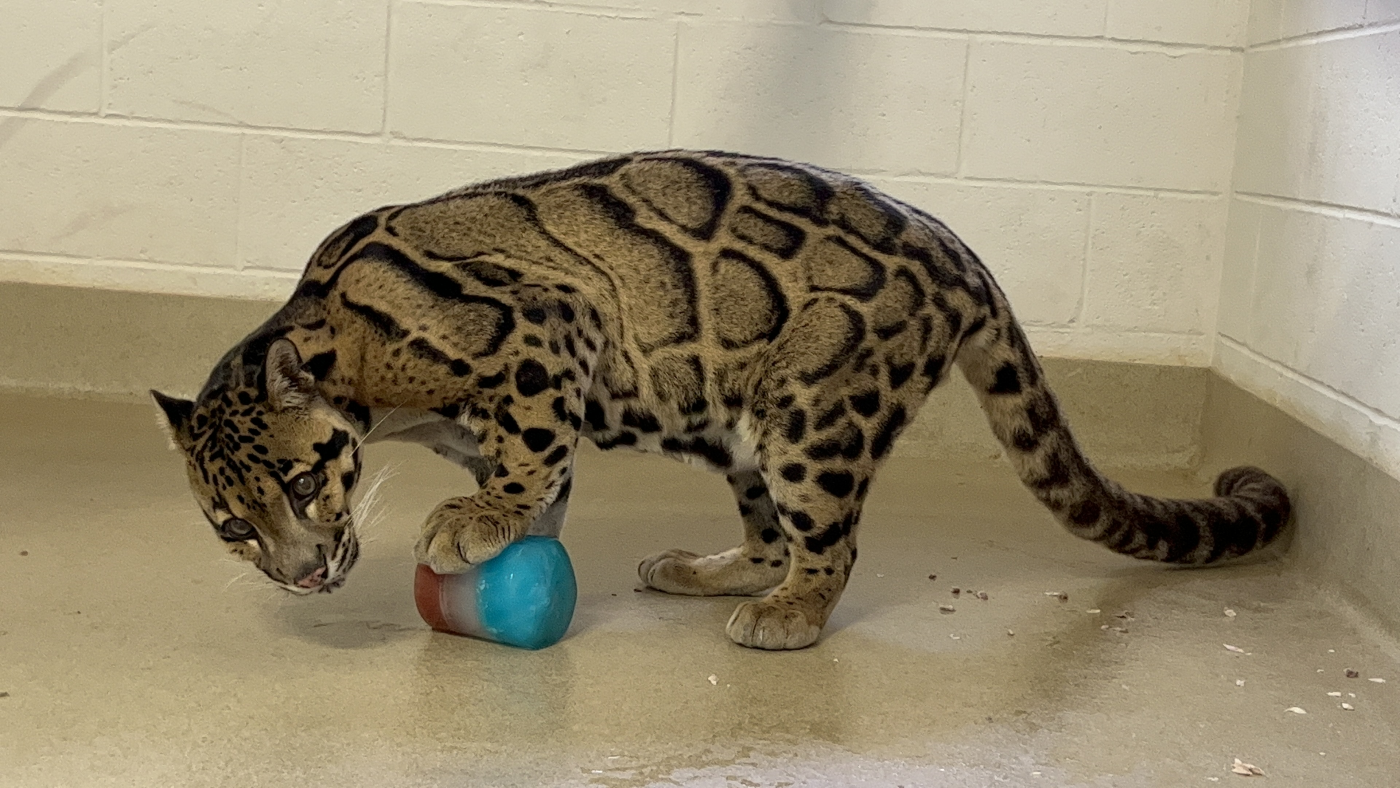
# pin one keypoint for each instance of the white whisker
(375, 426)
(364, 514)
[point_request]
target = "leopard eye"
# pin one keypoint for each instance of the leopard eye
(304, 485)
(236, 530)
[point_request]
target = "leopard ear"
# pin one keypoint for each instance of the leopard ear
(174, 418)
(289, 387)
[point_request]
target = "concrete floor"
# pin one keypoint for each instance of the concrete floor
(131, 653)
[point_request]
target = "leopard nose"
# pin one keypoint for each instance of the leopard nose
(314, 579)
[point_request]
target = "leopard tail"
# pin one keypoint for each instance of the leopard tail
(1248, 511)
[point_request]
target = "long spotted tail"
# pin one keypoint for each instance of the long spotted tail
(1249, 509)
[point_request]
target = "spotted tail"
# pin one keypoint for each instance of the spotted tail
(1249, 509)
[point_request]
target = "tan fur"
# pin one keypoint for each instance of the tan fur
(777, 322)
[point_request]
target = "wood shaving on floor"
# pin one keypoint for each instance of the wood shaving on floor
(1246, 769)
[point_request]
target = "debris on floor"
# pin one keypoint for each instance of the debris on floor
(1229, 613)
(946, 609)
(956, 590)
(714, 680)
(1239, 682)
(1235, 649)
(933, 577)
(1348, 707)
(1246, 769)
(4, 694)
(1296, 710)
(1060, 595)
(1377, 681)
(982, 595)
(1334, 694)
(1352, 674)
(1093, 610)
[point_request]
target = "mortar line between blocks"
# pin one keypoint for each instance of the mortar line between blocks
(1192, 194)
(238, 203)
(1325, 36)
(1093, 42)
(1253, 273)
(1321, 208)
(388, 43)
(129, 276)
(192, 125)
(1064, 329)
(1107, 344)
(22, 255)
(102, 59)
(962, 112)
(675, 83)
(1229, 196)
(1311, 383)
(608, 12)
(496, 147)
(291, 133)
(1082, 311)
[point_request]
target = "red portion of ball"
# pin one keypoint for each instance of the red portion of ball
(427, 595)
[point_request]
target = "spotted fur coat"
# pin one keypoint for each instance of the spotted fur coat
(775, 322)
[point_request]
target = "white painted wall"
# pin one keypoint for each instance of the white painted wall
(1310, 296)
(1083, 147)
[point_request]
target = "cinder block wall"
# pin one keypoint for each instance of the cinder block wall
(1083, 147)
(1310, 300)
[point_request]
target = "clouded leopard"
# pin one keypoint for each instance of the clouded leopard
(776, 322)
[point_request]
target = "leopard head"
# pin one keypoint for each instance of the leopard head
(272, 466)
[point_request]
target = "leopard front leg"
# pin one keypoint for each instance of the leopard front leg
(751, 568)
(532, 436)
(465, 453)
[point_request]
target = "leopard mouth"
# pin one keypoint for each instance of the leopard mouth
(326, 587)
(337, 567)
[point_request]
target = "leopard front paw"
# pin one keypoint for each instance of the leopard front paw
(732, 572)
(461, 534)
(660, 571)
